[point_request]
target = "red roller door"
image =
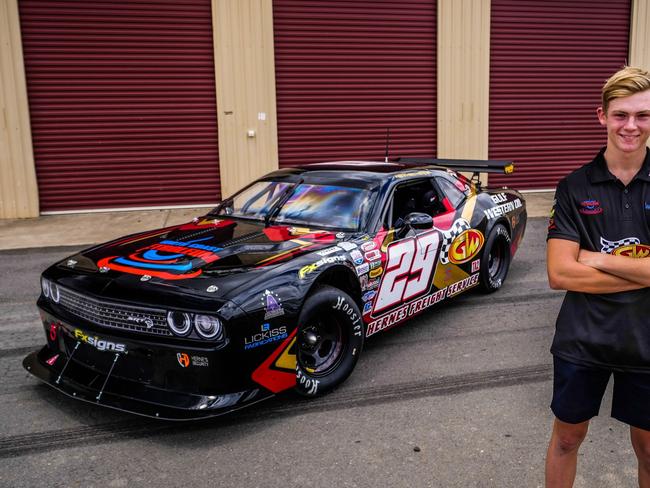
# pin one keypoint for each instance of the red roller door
(346, 71)
(122, 102)
(548, 63)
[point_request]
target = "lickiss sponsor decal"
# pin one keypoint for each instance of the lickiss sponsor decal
(266, 335)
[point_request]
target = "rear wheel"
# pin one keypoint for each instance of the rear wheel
(495, 261)
(328, 342)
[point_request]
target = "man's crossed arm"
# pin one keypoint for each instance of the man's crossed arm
(574, 269)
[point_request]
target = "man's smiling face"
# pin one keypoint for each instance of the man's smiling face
(628, 122)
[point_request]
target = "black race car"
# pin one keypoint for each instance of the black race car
(276, 288)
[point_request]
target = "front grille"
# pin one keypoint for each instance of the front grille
(114, 315)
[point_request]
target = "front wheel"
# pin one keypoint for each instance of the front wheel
(328, 342)
(495, 261)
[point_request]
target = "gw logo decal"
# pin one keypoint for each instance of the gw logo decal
(466, 246)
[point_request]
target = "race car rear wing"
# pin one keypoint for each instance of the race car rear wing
(469, 165)
(474, 166)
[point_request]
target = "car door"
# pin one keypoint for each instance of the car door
(412, 256)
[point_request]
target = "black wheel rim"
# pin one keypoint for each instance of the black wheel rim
(320, 345)
(496, 259)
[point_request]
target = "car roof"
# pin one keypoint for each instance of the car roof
(366, 171)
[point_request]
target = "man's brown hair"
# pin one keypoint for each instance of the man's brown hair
(623, 83)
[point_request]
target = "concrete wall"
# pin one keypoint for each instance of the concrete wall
(463, 78)
(245, 84)
(640, 34)
(18, 189)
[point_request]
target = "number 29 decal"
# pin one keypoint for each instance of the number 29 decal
(409, 265)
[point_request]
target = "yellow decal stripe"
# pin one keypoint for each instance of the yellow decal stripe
(390, 237)
(300, 245)
(287, 360)
(468, 211)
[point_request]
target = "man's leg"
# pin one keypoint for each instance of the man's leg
(631, 404)
(562, 453)
(641, 444)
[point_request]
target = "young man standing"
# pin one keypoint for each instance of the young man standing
(599, 223)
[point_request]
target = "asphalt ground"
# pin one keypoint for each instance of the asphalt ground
(457, 397)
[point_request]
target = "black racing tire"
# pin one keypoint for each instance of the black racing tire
(329, 341)
(496, 258)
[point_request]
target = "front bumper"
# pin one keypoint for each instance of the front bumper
(154, 379)
(85, 384)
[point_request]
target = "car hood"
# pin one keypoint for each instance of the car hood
(187, 254)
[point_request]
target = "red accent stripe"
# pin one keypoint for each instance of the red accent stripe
(272, 379)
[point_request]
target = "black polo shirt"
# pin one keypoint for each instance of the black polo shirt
(593, 208)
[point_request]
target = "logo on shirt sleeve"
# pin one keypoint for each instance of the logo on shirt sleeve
(551, 217)
(590, 207)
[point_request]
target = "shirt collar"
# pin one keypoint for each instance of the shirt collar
(598, 172)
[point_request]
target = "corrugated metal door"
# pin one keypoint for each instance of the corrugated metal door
(347, 71)
(122, 102)
(549, 60)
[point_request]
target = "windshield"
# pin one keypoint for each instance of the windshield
(255, 201)
(309, 205)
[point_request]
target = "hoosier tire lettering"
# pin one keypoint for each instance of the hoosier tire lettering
(495, 260)
(308, 386)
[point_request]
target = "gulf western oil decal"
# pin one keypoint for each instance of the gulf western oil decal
(170, 260)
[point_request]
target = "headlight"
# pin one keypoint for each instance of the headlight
(54, 292)
(179, 323)
(45, 286)
(207, 326)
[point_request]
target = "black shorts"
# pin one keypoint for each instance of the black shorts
(578, 391)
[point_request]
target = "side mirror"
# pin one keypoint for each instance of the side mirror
(418, 220)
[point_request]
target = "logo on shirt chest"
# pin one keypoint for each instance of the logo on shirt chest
(633, 251)
(629, 246)
(590, 207)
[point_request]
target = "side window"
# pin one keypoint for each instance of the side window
(413, 196)
(453, 194)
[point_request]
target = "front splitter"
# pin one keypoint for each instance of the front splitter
(80, 383)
